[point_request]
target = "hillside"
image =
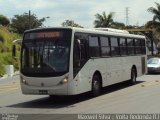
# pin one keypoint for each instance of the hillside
(6, 38)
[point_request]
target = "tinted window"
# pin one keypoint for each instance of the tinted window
(114, 46)
(104, 41)
(137, 42)
(94, 46)
(130, 44)
(114, 42)
(80, 51)
(83, 39)
(143, 43)
(105, 47)
(93, 42)
(46, 53)
(122, 42)
(123, 46)
(138, 49)
(143, 46)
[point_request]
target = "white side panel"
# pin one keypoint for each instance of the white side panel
(113, 70)
(84, 77)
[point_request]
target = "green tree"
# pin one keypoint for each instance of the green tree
(118, 25)
(155, 23)
(20, 23)
(103, 20)
(4, 20)
(70, 23)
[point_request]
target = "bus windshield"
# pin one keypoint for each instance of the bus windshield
(45, 56)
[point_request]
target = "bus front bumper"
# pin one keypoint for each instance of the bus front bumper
(34, 90)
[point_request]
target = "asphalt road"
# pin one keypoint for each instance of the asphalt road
(122, 98)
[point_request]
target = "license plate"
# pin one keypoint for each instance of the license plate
(43, 92)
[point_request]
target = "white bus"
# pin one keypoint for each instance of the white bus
(69, 61)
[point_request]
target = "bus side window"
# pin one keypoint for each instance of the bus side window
(123, 46)
(138, 46)
(94, 46)
(143, 45)
(105, 47)
(114, 46)
(130, 45)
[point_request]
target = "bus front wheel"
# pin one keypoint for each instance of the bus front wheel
(96, 85)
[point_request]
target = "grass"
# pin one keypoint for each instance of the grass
(6, 38)
(6, 59)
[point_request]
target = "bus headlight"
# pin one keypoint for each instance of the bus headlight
(64, 81)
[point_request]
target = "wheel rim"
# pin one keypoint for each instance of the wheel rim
(133, 76)
(96, 88)
(96, 85)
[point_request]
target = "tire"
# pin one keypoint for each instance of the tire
(96, 85)
(133, 76)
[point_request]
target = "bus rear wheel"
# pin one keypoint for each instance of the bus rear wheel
(96, 85)
(133, 76)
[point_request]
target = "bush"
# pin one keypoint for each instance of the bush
(6, 59)
(2, 47)
(4, 20)
(6, 37)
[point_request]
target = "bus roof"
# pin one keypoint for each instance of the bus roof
(113, 32)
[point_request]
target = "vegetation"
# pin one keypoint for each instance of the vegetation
(4, 20)
(103, 20)
(107, 21)
(6, 59)
(20, 23)
(118, 25)
(6, 39)
(154, 24)
(70, 23)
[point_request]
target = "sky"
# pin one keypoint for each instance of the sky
(81, 11)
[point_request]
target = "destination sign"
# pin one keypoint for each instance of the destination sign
(38, 35)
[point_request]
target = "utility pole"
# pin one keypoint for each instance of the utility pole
(127, 16)
(29, 17)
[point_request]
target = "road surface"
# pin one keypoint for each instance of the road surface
(141, 98)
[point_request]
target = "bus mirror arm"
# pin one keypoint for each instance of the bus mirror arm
(14, 43)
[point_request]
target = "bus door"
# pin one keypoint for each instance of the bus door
(80, 56)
